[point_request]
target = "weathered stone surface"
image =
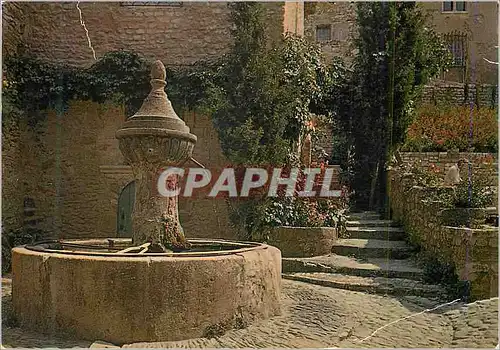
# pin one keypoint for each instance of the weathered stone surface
(352, 266)
(175, 34)
(320, 317)
(99, 344)
(372, 248)
(470, 250)
(155, 138)
(475, 325)
(479, 23)
(385, 233)
(303, 241)
(315, 316)
(376, 285)
(73, 170)
(151, 298)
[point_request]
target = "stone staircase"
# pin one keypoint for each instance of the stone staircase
(374, 259)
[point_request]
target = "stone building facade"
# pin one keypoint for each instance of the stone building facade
(67, 175)
(177, 33)
(332, 25)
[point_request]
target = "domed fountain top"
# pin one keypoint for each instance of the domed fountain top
(156, 111)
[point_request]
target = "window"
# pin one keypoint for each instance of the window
(457, 44)
(454, 6)
(324, 33)
(152, 3)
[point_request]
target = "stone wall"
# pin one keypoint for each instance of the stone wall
(473, 252)
(14, 21)
(481, 163)
(443, 160)
(341, 16)
(72, 171)
(440, 91)
(12, 182)
(177, 35)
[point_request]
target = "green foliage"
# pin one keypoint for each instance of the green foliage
(397, 54)
(262, 215)
(268, 91)
(270, 94)
(420, 176)
(438, 272)
(33, 85)
(252, 102)
(473, 193)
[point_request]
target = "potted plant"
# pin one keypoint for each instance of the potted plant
(304, 227)
(467, 203)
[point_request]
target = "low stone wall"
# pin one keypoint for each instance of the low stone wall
(443, 160)
(303, 241)
(441, 91)
(485, 163)
(473, 252)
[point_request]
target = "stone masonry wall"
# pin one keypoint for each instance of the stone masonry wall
(12, 181)
(71, 168)
(341, 16)
(14, 20)
(177, 35)
(480, 23)
(473, 252)
(482, 163)
(443, 160)
(457, 94)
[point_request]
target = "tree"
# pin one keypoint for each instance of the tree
(397, 55)
(264, 104)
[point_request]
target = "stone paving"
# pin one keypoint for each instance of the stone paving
(317, 316)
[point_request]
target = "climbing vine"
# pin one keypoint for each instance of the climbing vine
(33, 85)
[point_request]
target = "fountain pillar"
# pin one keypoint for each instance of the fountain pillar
(151, 140)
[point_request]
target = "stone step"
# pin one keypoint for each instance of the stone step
(372, 248)
(385, 233)
(371, 223)
(371, 267)
(373, 285)
(365, 215)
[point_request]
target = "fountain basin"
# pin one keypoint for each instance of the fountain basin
(126, 298)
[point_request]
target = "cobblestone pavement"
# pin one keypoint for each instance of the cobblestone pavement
(316, 316)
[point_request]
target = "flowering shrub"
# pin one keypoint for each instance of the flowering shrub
(303, 212)
(438, 129)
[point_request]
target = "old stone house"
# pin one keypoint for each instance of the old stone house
(470, 29)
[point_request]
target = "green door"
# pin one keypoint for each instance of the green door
(125, 208)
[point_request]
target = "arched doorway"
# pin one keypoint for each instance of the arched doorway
(125, 208)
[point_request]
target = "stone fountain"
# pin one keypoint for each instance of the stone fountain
(171, 288)
(151, 140)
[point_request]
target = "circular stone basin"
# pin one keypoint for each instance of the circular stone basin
(83, 288)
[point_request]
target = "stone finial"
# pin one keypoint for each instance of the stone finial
(157, 103)
(158, 75)
(158, 71)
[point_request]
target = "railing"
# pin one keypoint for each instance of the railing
(457, 44)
